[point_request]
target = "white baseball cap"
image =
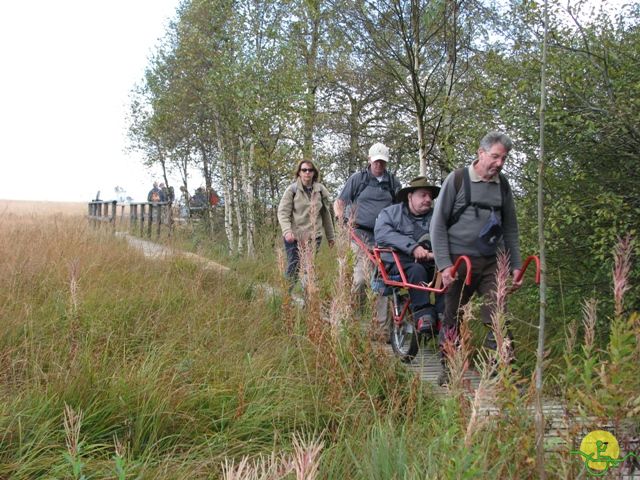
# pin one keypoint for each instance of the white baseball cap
(378, 151)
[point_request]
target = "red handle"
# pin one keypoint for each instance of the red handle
(528, 260)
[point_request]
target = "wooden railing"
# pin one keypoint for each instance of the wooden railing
(102, 212)
(158, 213)
(144, 217)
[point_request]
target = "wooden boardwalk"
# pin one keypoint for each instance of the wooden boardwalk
(563, 431)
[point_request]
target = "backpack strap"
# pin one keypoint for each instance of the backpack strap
(364, 182)
(461, 176)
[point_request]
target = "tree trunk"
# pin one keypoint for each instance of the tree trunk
(249, 203)
(310, 53)
(354, 136)
(417, 95)
(451, 38)
(206, 173)
(236, 193)
(227, 174)
(539, 414)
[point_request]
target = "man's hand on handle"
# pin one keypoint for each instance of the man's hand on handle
(289, 237)
(447, 277)
(516, 280)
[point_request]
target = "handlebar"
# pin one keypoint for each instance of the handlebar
(374, 257)
(363, 246)
(528, 260)
(405, 283)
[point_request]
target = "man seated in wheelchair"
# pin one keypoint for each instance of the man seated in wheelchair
(404, 227)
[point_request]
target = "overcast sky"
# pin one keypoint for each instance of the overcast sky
(67, 70)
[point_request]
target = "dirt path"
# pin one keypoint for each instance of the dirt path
(155, 250)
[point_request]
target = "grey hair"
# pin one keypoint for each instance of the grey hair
(491, 138)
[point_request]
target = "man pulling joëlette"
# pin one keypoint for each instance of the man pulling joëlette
(477, 227)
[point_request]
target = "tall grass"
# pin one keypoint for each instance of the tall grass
(116, 366)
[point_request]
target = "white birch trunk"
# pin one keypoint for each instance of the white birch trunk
(228, 210)
(248, 184)
(227, 174)
(237, 206)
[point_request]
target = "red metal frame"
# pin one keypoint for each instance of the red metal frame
(374, 257)
(405, 283)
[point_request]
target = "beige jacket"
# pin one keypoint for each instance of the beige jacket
(304, 214)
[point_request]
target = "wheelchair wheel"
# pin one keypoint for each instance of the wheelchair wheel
(403, 337)
(404, 341)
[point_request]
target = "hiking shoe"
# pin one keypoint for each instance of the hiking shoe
(426, 324)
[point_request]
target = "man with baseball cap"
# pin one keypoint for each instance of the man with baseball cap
(364, 195)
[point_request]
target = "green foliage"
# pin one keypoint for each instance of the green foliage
(604, 382)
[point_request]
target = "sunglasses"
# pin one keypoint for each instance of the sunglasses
(307, 170)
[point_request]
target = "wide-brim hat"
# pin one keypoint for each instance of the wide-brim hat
(416, 183)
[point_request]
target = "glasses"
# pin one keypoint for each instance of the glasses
(307, 170)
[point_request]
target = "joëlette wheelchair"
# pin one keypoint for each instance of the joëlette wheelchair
(403, 336)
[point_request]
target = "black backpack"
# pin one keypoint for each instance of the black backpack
(364, 181)
(461, 176)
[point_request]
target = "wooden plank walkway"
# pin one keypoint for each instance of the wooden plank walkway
(563, 431)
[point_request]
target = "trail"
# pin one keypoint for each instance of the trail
(156, 251)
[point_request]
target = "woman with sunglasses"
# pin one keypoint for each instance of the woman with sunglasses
(303, 213)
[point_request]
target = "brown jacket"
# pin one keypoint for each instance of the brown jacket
(304, 214)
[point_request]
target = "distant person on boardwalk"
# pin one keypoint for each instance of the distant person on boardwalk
(364, 195)
(303, 213)
(199, 198)
(156, 194)
(214, 199)
(475, 216)
(404, 227)
(169, 194)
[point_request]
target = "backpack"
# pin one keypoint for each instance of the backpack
(461, 175)
(364, 182)
(155, 196)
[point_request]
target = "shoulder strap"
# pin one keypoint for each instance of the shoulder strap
(361, 185)
(461, 175)
(364, 181)
(294, 189)
(392, 185)
(504, 187)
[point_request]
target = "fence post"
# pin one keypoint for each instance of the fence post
(150, 220)
(114, 209)
(136, 219)
(142, 215)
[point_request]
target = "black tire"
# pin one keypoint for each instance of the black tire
(403, 338)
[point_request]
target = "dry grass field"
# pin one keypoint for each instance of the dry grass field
(26, 207)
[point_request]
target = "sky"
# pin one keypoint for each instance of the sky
(67, 70)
